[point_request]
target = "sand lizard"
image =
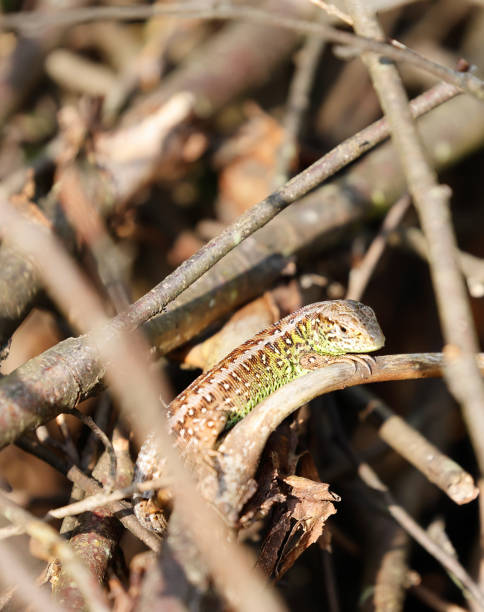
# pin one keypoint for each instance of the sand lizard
(223, 395)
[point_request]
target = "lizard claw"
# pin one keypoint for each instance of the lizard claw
(312, 361)
(150, 515)
(367, 361)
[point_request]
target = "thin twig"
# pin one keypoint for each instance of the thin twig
(128, 371)
(472, 267)
(10, 531)
(433, 600)
(86, 219)
(57, 547)
(94, 536)
(416, 449)
(105, 441)
(297, 104)
(360, 276)
(34, 21)
(16, 570)
(121, 510)
(432, 203)
(68, 443)
(334, 11)
(447, 558)
(451, 564)
(102, 499)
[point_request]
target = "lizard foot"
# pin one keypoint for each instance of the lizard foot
(367, 361)
(150, 515)
(313, 361)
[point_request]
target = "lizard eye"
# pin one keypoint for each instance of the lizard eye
(343, 329)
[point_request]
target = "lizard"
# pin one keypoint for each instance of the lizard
(223, 395)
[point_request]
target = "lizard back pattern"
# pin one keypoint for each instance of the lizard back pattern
(223, 395)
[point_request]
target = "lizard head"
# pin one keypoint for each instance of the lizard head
(346, 326)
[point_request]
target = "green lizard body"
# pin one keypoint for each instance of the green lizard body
(223, 395)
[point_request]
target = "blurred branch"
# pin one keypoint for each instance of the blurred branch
(298, 101)
(101, 499)
(94, 536)
(472, 267)
(133, 385)
(34, 21)
(15, 571)
(21, 70)
(415, 448)
(361, 274)
(122, 510)
(432, 203)
(432, 599)
(57, 547)
(403, 518)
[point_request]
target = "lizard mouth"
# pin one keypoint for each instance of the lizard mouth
(376, 342)
(366, 343)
